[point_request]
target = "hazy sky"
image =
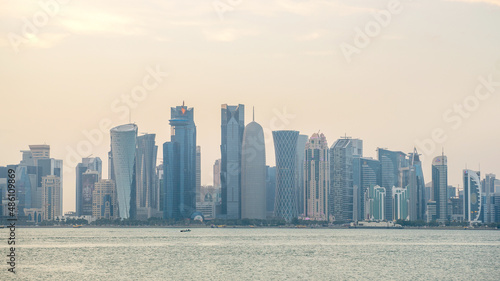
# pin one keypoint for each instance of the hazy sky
(311, 66)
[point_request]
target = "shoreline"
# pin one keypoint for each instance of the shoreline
(255, 227)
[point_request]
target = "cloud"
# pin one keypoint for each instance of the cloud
(491, 2)
(227, 34)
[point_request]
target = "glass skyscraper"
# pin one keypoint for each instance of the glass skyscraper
(391, 163)
(371, 176)
(285, 149)
(146, 195)
(232, 128)
(299, 175)
(440, 187)
(472, 195)
(123, 153)
(342, 199)
(179, 164)
(415, 184)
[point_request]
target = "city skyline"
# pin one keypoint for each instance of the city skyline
(431, 72)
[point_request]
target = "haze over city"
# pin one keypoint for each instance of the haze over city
(418, 74)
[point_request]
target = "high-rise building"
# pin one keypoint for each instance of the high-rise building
(253, 173)
(87, 164)
(179, 165)
(400, 202)
(488, 200)
(415, 184)
(40, 151)
(123, 153)
(270, 190)
(145, 166)
(104, 202)
(217, 171)
(370, 170)
(51, 197)
(299, 174)
(341, 197)
(48, 167)
(472, 195)
(88, 180)
(391, 164)
(374, 203)
(316, 178)
(198, 173)
(285, 149)
(440, 187)
(232, 128)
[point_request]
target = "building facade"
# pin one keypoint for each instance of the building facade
(104, 203)
(440, 187)
(316, 178)
(285, 149)
(253, 173)
(232, 128)
(179, 164)
(123, 153)
(472, 195)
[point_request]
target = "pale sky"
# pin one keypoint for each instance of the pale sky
(65, 68)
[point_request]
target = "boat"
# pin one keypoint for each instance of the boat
(77, 225)
(185, 230)
(375, 224)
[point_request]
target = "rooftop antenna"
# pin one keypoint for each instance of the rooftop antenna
(183, 103)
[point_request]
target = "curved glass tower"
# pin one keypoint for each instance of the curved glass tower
(472, 195)
(123, 151)
(253, 173)
(285, 146)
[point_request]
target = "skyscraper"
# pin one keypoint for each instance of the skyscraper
(89, 178)
(40, 151)
(400, 201)
(472, 195)
(270, 190)
(371, 176)
(488, 200)
(341, 197)
(391, 164)
(415, 184)
(440, 187)
(179, 164)
(51, 197)
(299, 175)
(87, 164)
(232, 128)
(198, 173)
(285, 149)
(374, 203)
(253, 173)
(104, 204)
(146, 194)
(217, 171)
(123, 153)
(316, 178)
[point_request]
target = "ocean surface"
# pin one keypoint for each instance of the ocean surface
(251, 254)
